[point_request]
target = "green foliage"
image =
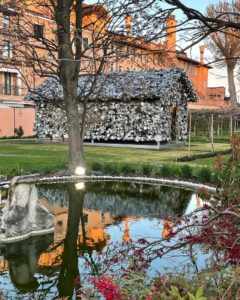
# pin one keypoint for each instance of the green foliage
(204, 175)
(176, 295)
(171, 171)
(134, 286)
(145, 169)
(109, 169)
(166, 171)
(198, 296)
(96, 166)
(186, 172)
(126, 169)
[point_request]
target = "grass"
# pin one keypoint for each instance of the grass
(30, 157)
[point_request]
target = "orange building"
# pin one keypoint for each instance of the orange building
(129, 53)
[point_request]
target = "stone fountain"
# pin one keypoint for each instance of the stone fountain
(23, 216)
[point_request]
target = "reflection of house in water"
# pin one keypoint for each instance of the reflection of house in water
(106, 204)
(3, 265)
(167, 229)
(96, 238)
(94, 223)
(109, 204)
(126, 232)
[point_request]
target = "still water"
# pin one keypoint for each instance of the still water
(92, 220)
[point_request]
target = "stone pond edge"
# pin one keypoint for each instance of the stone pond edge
(94, 178)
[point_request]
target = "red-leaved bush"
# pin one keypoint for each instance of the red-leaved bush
(107, 288)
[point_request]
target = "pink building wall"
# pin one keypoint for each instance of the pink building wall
(11, 118)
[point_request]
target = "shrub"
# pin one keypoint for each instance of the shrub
(186, 172)
(156, 170)
(110, 169)
(166, 171)
(144, 170)
(127, 169)
(96, 166)
(19, 132)
(147, 169)
(204, 175)
(214, 178)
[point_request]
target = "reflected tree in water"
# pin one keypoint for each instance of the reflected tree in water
(69, 275)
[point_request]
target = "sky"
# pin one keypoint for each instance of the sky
(199, 4)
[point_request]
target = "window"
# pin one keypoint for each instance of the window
(38, 31)
(85, 43)
(120, 50)
(6, 22)
(111, 66)
(7, 83)
(7, 49)
(10, 84)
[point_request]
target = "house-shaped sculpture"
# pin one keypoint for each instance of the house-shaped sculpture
(145, 106)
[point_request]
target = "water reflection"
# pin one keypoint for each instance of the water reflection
(69, 271)
(87, 220)
(21, 261)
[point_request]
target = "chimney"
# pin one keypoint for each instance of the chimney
(202, 52)
(171, 24)
(128, 24)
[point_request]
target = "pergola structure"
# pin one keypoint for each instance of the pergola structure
(144, 106)
(215, 117)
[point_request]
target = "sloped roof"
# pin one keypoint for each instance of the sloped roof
(166, 86)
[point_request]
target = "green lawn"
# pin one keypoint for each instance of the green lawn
(28, 157)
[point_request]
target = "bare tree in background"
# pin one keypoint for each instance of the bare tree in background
(225, 43)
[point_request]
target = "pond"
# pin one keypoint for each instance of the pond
(92, 220)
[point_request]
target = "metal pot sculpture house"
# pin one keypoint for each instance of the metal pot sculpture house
(141, 107)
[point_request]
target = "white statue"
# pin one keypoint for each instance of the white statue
(23, 216)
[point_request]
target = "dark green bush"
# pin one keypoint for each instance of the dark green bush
(110, 169)
(166, 171)
(186, 172)
(96, 166)
(214, 177)
(156, 170)
(169, 171)
(204, 175)
(144, 170)
(126, 169)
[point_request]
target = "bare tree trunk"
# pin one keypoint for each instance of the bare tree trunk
(69, 68)
(231, 83)
(76, 151)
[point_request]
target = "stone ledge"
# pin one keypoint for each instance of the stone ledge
(148, 180)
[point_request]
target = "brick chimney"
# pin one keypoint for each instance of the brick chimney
(171, 39)
(128, 24)
(202, 54)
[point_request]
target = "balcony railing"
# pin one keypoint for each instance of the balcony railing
(9, 90)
